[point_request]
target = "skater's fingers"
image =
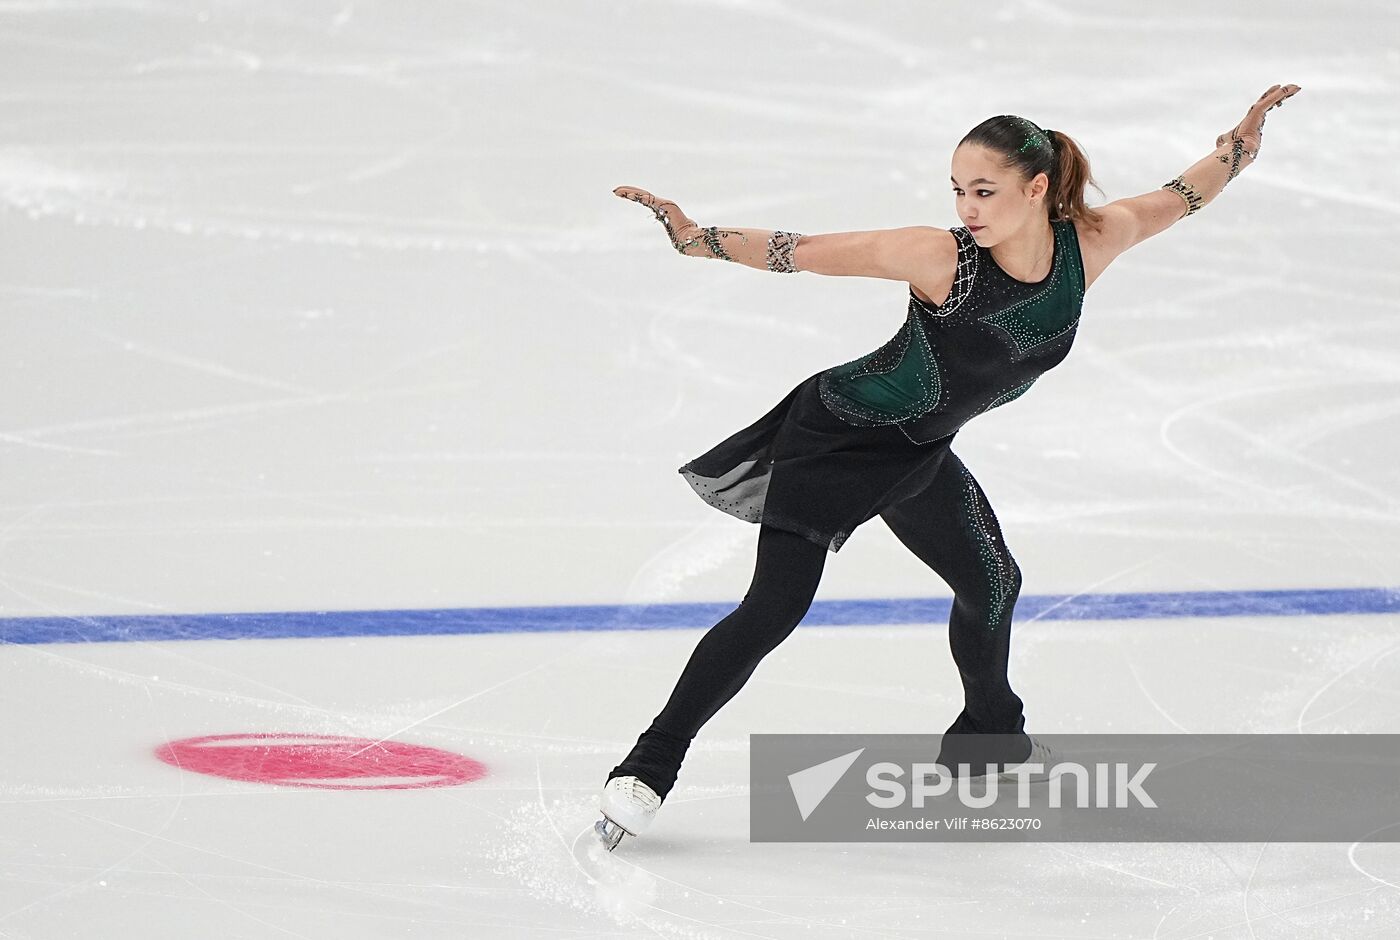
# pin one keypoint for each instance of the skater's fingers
(1252, 127)
(1256, 110)
(635, 194)
(1281, 95)
(1271, 99)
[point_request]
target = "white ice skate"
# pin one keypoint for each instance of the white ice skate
(628, 808)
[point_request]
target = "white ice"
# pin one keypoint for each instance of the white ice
(330, 306)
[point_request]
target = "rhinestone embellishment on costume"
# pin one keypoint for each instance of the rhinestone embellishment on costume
(1039, 318)
(982, 348)
(997, 563)
(900, 380)
(963, 279)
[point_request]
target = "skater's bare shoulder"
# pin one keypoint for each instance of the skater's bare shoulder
(917, 254)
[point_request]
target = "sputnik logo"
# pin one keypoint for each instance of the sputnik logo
(811, 786)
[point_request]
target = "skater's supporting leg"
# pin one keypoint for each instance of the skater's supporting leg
(951, 527)
(786, 574)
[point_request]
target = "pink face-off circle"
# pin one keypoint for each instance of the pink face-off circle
(323, 761)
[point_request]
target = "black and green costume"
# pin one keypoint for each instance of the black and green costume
(855, 438)
(873, 436)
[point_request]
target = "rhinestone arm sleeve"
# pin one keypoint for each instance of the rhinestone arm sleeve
(1207, 177)
(766, 249)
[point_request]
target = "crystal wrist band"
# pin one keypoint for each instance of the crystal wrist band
(1185, 191)
(781, 248)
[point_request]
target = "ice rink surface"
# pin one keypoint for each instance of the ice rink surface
(315, 308)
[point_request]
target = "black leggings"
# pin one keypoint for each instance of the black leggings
(950, 526)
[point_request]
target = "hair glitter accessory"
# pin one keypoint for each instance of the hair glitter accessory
(1037, 138)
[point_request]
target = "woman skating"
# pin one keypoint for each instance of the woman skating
(993, 305)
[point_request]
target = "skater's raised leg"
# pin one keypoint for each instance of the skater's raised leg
(786, 574)
(951, 527)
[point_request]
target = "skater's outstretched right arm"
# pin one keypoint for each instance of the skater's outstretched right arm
(898, 254)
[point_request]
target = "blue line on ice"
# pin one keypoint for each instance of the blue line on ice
(349, 623)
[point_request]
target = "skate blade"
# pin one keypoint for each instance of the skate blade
(609, 832)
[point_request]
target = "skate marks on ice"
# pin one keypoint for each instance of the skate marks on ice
(551, 851)
(1190, 890)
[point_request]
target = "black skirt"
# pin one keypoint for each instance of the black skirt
(803, 469)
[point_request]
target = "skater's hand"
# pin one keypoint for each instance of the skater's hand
(1251, 129)
(680, 228)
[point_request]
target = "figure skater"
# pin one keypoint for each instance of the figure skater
(993, 304)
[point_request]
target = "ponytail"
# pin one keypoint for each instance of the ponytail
(1068, 182)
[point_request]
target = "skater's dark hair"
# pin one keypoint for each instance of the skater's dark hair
(1029, 150)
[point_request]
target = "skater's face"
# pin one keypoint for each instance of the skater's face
(992, 199)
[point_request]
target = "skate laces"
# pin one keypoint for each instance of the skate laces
(632, 789)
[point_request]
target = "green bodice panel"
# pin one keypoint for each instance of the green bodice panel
(983, 347)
